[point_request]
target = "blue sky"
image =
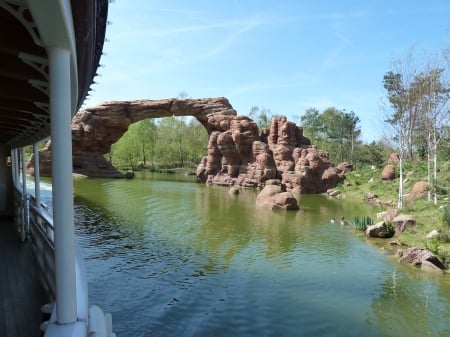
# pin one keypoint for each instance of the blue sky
(285, 56)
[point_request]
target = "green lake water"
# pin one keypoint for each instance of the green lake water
(169, 257)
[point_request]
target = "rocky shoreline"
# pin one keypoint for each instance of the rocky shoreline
(389, 227)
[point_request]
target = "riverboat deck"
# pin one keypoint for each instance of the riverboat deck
(21, 291)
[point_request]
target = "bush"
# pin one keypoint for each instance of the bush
(390, 229)
(433, 246)
(361, 223)
(446, 216)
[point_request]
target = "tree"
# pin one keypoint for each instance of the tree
(404, 102)
(434, 93)
(261, 116)
(147, 134)
(179, 135)
(196, 140)
(419, 110)
(332, 122)
(128, 148)
(399, 120)
(312, 124)
(371, 154)
(351, 130)
(334, 130)
(183, 95)
(171, 137)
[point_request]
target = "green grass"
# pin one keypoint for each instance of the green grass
(364, 181)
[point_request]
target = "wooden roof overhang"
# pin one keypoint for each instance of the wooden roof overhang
(28, 29)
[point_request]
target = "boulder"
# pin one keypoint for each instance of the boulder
(402, 222)
(388, 215)
(418, 190)
(420, 257)
(433, 234)
(333, 192)
(371, 196)
(380, 215)
(388, 173)
(274, 197)
(394, 158)
(345, 167)
(379, 230)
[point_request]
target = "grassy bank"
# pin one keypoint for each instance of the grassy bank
(365, 180)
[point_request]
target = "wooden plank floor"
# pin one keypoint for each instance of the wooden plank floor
(21, 293)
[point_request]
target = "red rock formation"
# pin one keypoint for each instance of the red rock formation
(420, 257)
(288, 156)
(274, 197)
(345, 167)
(394, 158)
(418, 190)
(388, 173)
(402, 222)
(237, 154)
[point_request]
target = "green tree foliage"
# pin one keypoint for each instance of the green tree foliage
(433, 93)
(351, 131)
(333, 130)
(172, 131)
(127, 151)
(161, 143)
(418, 96)
(402, 119)
(374, 153)
(147, 134)
(197, 138)
(312, 124)
(261, 116)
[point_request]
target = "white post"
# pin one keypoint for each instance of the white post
(60, 113)
(37, 177)
(24, 173)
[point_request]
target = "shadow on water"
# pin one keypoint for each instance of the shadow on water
(172, 258)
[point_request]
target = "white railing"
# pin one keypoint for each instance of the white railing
(41, 230)
(36, 224)
(21, 214)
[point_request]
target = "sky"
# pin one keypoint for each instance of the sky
(282, 55)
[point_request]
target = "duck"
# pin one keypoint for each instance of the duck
(344, 222)
(333, 220)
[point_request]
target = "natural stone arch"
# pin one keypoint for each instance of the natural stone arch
(95, 129)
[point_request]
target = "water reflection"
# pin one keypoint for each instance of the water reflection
(191, 260)
(400, 299)
(231, 222)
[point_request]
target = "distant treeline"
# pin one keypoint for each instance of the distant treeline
(161, 144)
